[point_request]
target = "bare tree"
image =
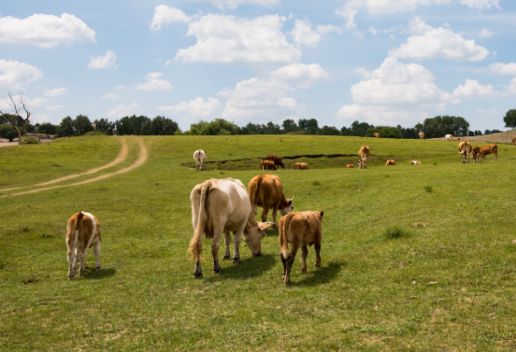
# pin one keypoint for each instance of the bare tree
(15, 119)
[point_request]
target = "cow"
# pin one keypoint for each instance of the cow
(350, 165)
(301, 166)
(514, 140)
(415, 162)
(266, 191)
(277, 160)
(220, 206)
(82, 232)
(363, 154)
(390, 162)
(480, 153)
(199, 156)
(421, 135)
(300, 229)
(267, 165)
(376, 134)
(448, 137)
(465, 148)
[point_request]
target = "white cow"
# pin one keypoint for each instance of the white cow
(199, 156)
(448, 137)
(220, 206)
(82, 232)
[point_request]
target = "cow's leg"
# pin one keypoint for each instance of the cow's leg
(81, 253)
(96, 252)
(274, 213)
(70, 254)
(227, 242)
(238, 235)
(265, 212)
(304, 254)
(217, 232)
(317, 247)
(290, 261)
(284, 262)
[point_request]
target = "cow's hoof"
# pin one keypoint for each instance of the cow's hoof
(97, 268)
(236, 260)
(217, 270)
(198, 274)
(303, 271)
(227, 257)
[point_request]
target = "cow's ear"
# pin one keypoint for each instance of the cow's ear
(321, 213)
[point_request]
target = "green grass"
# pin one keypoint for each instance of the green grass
(450, 285)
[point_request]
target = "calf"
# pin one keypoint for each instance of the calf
(199, 156)
(350, 165)
(465, 148)
(481, 152)
(300, 229)
(363, 154)
(277, 161)
(390, 162)
(300, 166)
(82, 232)
(267, 165)
(415, 162)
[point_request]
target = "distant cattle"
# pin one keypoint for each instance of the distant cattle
(514, 140)
(363, 155)
(421, 135)
(199, 156)
(277, 160)
(300, 229)
(220, 206)
(390, 162)
(415, 162)
(448, 137)
(350, 165)
(267, 165)
(480, 153)
(300, 166)
(82, 232)
(266, 191)
(465, 148)
(376, 134)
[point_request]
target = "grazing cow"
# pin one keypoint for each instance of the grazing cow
(376, 134)
(82, 232)
(415, 162)
(465, 148)
(199, 156)
(421, 135)
(277, 161)
(266, 191)
(363, 154)
(300, 166)
(300, 229)
(222, 205)
(267, 165)
(480, 153)
(448, 137)
(514, 140)
(350, 165)
(390, 162)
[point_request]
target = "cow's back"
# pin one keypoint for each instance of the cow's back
(302, 227)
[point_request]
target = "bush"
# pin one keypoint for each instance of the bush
(394, 232)
(95, 133)
(8, 132)
(30, 140)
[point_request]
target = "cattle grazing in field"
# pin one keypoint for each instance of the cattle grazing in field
(480, 153)
(421, 135)
(277, 160)
(390, 162)
(82, 232)
(199, 156)
(465, 148)
(301, 166)
(300, 229)
(267, 165)
(220, 206)
(415, 162)
(350, 165)
(266, 191)
(448, 137)
(363, 155)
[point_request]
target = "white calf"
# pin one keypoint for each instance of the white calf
(82, 232)
(199, 156)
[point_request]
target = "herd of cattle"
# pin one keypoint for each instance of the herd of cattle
(222, 206)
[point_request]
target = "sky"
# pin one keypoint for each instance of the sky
(385, 62)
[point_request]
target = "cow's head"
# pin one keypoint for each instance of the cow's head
(253, 235)
(287, 207)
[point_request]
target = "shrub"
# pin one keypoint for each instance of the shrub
(29, 140)
(95, 133)
(8, 132)
(394, 232)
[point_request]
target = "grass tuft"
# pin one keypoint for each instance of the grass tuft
(394, 232)
(428, 189)
(316, 183)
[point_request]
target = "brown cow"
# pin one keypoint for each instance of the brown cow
(82, 232)
(266, 191)
(363, 154)
(300, 229)
(301, 166)
(465, 148)
(277, 160)
(480, 153)
(514, 140)
(350, 165)
(267, 165)
(222, 205)
(390, 162)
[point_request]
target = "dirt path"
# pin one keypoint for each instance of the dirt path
(142, 158)
(121, 157)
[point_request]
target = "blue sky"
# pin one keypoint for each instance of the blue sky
(387, 62)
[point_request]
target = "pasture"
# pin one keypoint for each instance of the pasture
(413, 258)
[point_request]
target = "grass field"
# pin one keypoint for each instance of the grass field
(413, 258)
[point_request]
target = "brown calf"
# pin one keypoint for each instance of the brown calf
(390, 162)
(277, 160)
(350, 165)
(363, 154)
(481, 152)
(300, 166)
(267, 165)
(82, 232)
(300, 229)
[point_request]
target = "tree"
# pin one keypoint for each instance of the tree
(138, 125)
(47, 128)
(510, 118)
(163, 126)
(360, 128)
(329, 130)
(66, 128)
(439, 126)
(215, 127)
(82, 125)
(289, 125)
(310, 126)
(15, 120)
(104, 126)
(7, 132)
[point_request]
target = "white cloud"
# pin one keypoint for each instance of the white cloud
(45, 31)
(233, 4)
(472, 88)
(195, 108)
(102, 62)
(305, 35)
(227, 39)
(165, 15)
(55, 92)
(154, 82)
(485, 33)
(428, 42)
(511, 89)
(381, 114)
(481, 4)
(504, 68)
(119, 111)
(302, 75)
(16, 75)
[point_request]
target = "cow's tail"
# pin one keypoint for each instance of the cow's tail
(283, 235)
(254, 192)
(73, 228)
(195, 246)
